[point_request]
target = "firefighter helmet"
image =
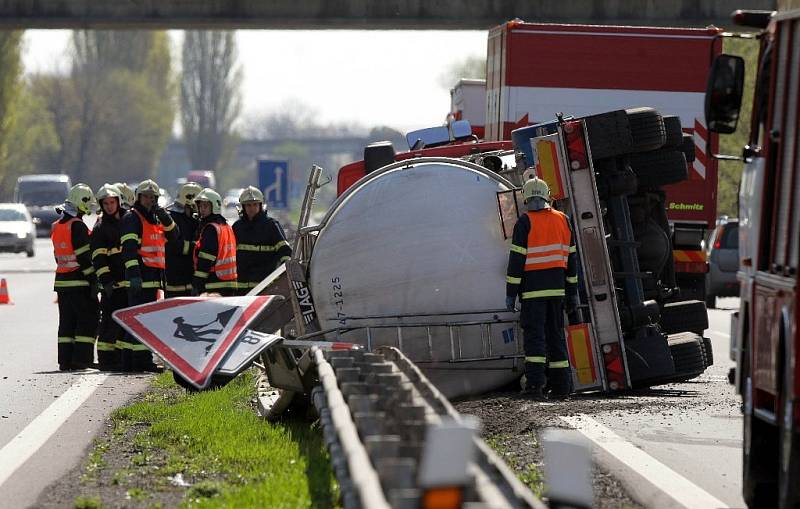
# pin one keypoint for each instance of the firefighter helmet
(81, 197)
(126, 194)
(148, 186)
(187, 193)
(535, 188)
(107, 191)
(211, 196)
(251, 194)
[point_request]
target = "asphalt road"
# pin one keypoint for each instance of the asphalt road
(35, 452)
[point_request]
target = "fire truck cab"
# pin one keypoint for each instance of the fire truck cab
(765, 333)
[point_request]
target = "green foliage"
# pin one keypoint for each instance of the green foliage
(9, 91)
(84, 502)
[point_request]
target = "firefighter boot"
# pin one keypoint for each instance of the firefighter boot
(65, 354)
(108, 360)
(83, 353)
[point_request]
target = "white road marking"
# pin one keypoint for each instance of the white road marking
(720, 334)
(674, 487)
(20, 448)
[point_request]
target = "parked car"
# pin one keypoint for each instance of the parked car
(17, 231)
(723, 262)
(42, 194)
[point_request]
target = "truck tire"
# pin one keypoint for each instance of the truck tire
(647, 129)
(688, 148)
(686, 316)
(673, 131)
(609, 134)
(687, 354)
(708, 351)
(759, 468)
(659, 168)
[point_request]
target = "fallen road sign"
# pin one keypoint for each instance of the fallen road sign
(246, 349)
(193, 334)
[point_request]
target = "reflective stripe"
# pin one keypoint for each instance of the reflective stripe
(65, 339)
(81, 250)
(139, 348)
(513, 280)
(102, 346)
(247, 284)
(559, 364)
(206, 256)
(281, 244)
(543, 293)
(178, 288)
(123, 345)
(168, 228)
(131, 263)
(103, 270)
(151, 284)
(549, 247)
(151, 249)
(186, 246)
(198, 273)
(84, 339)
(88, 271)
(536, 359)
(70, 284)
(283, 259)
(114, 251)
(221, 284)
(154, 261)
(129, 236)
(518, 249)
(122, 284)
(255, 248)
(543, 259)
(572, 280)
(99, 251)
(573, 249)
(226, 272)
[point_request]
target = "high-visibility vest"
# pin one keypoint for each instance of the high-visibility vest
(61, 235)
(153, 247)
(548, 240)
(225, 264)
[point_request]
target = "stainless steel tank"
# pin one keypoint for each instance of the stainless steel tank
(414, 256)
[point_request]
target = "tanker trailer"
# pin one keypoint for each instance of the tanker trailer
(414, 256)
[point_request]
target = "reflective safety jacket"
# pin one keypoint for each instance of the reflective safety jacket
(70, 238)
(215, 254)
(143, 245)
(260, 247)
(542, 262)
(107, 251)
(180, 262)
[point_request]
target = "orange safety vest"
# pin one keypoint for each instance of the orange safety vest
(61, 235)
(152, 249)
(225, 265)
(548, 240)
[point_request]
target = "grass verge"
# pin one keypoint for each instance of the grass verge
(528, 469)
(207, 449)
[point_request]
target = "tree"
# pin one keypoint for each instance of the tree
(210, 97)
(473, 66)
(9, 91)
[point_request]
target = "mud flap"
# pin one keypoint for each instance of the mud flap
(649, 357)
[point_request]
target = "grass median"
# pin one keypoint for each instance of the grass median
(207, 449)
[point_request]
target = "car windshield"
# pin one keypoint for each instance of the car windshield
(12, 215)
(730, 237)
(42, 197)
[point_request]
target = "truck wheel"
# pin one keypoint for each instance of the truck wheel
(708, 351)
(673, 131)
(687, 354)
(688, 147)
(609, 134)
(759, 449)
(647, 129)
(690, 315)
(789, 452)
(659, 168)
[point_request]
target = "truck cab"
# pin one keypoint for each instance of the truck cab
(41, 194)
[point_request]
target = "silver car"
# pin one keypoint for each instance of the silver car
(17, 231)
(723, 262)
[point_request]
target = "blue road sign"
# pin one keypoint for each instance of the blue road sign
(273, 180)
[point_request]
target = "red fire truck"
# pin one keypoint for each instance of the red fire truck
(765, 333)
(535, 71)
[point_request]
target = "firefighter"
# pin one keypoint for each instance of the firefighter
(145, 231)
(126, 195)
(260, 242)
(215, 252)
(107, 261)
(180, 262)
(542, 271)
(75, 281)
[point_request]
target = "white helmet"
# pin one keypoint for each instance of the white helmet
(187, 193)
(211, 196)
(148, 186)
(81, 197)
(535, 188)
(251, 194)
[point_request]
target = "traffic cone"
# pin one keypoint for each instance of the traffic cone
(4, 297)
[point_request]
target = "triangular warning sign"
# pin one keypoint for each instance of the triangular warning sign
(192, 334)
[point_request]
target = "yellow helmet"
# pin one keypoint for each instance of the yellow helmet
(535, 188)
(148, 186)
(187, 193)
(107, 191)
(251, 194)
(126, 194)
(211, 196)
(81, 197)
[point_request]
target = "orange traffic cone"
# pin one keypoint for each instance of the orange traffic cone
(4, 297)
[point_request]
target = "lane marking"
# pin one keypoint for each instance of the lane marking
(720, 334)
(661, 477)
(20, 448)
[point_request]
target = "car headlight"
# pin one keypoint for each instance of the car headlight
(22, 235)
(36, 220)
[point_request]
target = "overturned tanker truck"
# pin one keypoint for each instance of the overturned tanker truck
(412, 255)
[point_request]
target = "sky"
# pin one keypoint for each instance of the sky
(347, 76)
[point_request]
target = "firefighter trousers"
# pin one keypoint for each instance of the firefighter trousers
(110, 336)
(546, 356)
(77, 327)
(134, 355)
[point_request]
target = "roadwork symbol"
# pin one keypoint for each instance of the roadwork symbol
(206, 332)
